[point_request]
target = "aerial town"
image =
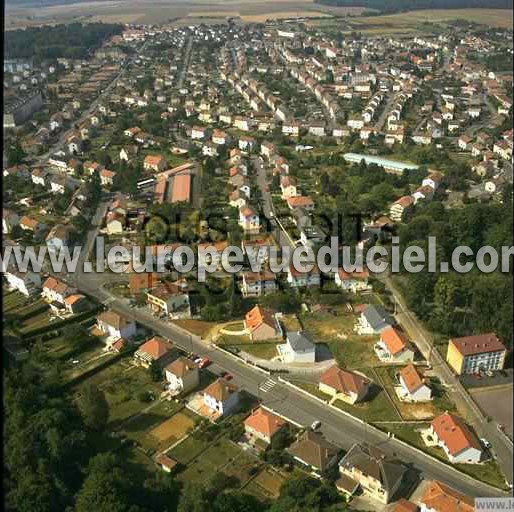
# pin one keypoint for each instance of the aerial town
(256, 390)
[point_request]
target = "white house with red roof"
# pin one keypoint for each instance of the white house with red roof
(460, 444)
(303, 278)
(353, 281)
(394, 346)
(154, 350)
(413, 386)
(349, 386)
(221, 397)
(55, 290)
(249, 220)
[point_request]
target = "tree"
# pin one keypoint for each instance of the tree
(106, 487)
(94, 408)
(156, 371)
(15, 153)
(194, 498)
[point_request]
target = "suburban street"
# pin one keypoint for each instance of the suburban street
(501, 445)
(338, 427)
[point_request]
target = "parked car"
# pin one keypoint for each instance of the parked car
(315, 425)
(204, 362)
(228, 376)
(485, 443)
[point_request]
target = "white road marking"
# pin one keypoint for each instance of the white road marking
(267, 386)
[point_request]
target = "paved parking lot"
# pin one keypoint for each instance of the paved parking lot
(496, 402)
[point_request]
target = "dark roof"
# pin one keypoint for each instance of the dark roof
(378, 318)
(372, 462)
(313, 449)
(299, 341)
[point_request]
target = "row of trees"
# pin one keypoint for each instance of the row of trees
(74, 40)
(390, 6)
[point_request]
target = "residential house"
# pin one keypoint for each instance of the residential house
(182, 376)
(155, 163)
(304, 202)
(56, 291)
(75, 303)
(129, 152)
(198, 132)
(349, 386)
(457, 440)
(413, 386)
(314, 452)
(464, 142)
(219, 137)
(249, 220)
(58, 237)
(261, 426)
(39, 176)
(113, 325)
(394, 346)
(472, 354)
(373, 320)
(308, 278)
(353, 281)
(255, 284)
(288, 187)
(438, 497)
(221, 397)
(369, 468)
(28, 283)
(260, 324)
(156, 350)
(169, 298)
(298, 348)
(399, 208)
(10, 219)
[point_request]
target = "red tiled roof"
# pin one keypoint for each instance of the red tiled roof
(155, 347)
(264, 422)
(343, 381)
(441, 498)
(394, 340)
(455, 434)
(479, 344)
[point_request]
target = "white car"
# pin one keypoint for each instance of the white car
(315, 425)
(485, 443)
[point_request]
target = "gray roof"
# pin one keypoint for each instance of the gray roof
(378, 318)
(299, 341)
(372, 462)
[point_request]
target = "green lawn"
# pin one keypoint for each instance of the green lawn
(261, 349)
(378, 408)
(122, 386)
(354, 352)
(188, 449)
(13, 300)
(222, 456)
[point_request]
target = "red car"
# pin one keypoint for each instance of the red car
(228, 376)
(204, 362)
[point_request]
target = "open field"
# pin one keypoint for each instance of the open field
(411, 20)
(160, 11)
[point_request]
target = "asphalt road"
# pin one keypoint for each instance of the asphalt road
(501, 446)
(339, 428)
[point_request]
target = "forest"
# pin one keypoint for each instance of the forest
(73, 41)
(392, 6)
